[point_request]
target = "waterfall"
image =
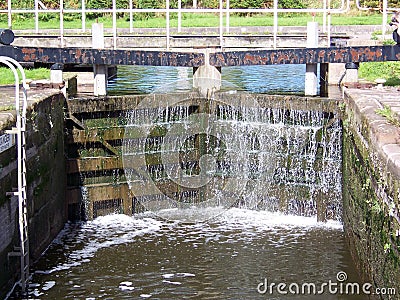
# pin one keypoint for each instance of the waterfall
(232, 151)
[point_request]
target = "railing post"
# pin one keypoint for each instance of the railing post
(329, 24)
(228, 4)
(384, 18)
(167, 23)
(83, 15)
(130, 16)
(9, 14)
(324, 17)
(221, 23)
(114, 14)
(179, 15)
(275, 21)
(36, 16)
(62, 23)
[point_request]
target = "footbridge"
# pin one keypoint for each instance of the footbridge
(206, 50)
(89, 56)
(210, 58)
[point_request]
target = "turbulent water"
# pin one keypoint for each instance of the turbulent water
(231, 150)
(227, 257)
(218, 252)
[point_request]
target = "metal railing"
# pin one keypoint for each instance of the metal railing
(21, 192)
(224, 10)
(385, 9)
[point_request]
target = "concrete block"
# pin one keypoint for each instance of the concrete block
(335, 72)
(56, 76)
(100, 80)
(311, 81)
(97, 36)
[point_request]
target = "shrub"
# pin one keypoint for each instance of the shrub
(247, 3)
(291, 4)
(378, 3)
(105, 4)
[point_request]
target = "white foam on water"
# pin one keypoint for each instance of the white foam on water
(126, 288)
(262, 220)
(36, 293)
(145, 295)
(172, 282)
(191, 214)
(48, 285)
(116, 229)
(104, 232)
(244, 218)
(168, 276)
(185, 275)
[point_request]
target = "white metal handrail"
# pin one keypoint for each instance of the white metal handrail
(21, 192)
(384, 9)
(221, 11)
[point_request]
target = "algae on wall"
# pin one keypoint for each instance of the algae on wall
(370, 197)
(45, 186)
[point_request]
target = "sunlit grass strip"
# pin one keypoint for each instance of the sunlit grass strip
(196, 20)
(7, 76)
(389, 70)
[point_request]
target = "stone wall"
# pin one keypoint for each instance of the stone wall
(371, 190)
(46, 183)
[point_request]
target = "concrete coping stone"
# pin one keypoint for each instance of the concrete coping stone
(382, 135)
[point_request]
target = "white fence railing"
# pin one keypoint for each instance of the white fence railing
(222, 11)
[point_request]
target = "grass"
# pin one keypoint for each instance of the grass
(390, 115)
(7, 108)
(197, 20)
(7, 76)
(389, 70)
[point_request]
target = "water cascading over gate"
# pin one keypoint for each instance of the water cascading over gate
(181, 150)
(188, 152)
